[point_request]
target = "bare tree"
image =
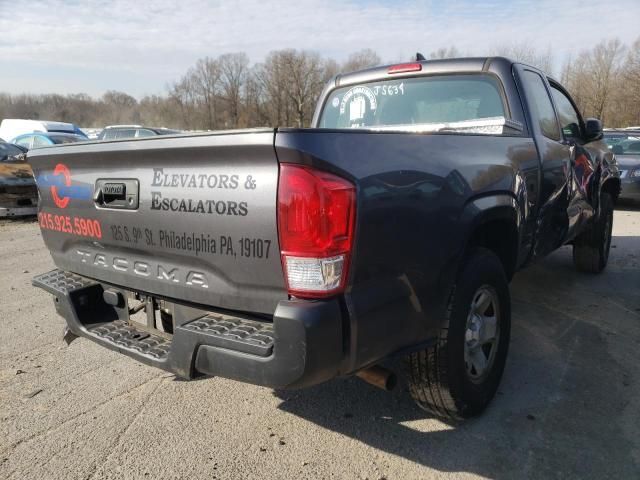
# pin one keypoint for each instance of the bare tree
(233, 72)
(360, 60)
(526, 53)
(206, 79)
(182, 94)
(451, 52)
(630, 85)
(307, 78)
(119, 107)
(594, 79)
(604, 67)
(283, 90)
(254, 111)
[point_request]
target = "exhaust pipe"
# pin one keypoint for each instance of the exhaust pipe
(379, 377)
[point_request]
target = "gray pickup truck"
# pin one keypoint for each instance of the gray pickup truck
(287, 257)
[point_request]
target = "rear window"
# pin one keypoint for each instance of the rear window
(417, 101)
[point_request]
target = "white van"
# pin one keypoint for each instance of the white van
(10, 128)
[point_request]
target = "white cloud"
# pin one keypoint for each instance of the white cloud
(144, 45)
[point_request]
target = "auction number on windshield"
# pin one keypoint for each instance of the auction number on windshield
(389, 90)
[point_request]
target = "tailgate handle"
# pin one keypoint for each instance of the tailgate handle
(116, 193)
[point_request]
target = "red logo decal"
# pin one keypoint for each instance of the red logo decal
(61, 169)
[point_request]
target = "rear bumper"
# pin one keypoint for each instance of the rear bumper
(17, 211)
(302, 347)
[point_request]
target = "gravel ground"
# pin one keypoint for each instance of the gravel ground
(568, 406)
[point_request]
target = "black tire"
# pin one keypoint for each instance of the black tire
(439, 378)
(167, 321)
(591, 248)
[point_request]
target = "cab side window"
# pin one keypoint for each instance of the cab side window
(569, 118)
(39, 142)
(541, 105)
(109, 134)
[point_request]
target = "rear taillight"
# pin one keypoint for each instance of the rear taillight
(316, 213)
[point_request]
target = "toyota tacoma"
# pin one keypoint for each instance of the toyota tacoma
(287, 257)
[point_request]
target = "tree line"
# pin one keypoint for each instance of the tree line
(229, 92)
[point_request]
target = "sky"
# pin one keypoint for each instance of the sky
(91, 46)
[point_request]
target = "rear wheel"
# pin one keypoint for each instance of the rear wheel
(591, 248)
(458, 376)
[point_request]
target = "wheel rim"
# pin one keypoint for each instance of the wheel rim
(482, 334)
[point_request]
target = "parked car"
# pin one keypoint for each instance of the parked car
(287, 257)
(35, 140)
(18, 192)
(11, 153)
(13, 127)
(614, 136)
(627, 154)
(117, 132)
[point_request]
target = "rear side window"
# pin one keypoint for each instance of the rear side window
(143, 132)
(430, 100)
(541, 105)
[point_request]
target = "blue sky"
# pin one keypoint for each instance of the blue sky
(139, 47)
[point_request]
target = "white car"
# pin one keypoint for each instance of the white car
(13, 127)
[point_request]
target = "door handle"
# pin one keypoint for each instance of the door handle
(116, 193)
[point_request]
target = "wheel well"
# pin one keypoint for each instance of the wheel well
(612, 187)
(501, 237)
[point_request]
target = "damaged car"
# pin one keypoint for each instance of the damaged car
(18, 192)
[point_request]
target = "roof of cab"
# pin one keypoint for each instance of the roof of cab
(449, 65)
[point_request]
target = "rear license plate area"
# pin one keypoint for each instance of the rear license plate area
(151, 315)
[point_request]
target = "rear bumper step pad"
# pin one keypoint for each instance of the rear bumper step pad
(127, 336)
(303, 345)
(59, 282)
(246, 336)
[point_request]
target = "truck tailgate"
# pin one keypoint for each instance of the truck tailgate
(187, 217)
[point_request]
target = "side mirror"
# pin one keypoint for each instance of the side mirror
(593, 129)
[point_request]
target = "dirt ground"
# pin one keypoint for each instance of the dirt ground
(568, 406)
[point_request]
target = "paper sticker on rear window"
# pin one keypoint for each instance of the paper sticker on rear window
(358, 101)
